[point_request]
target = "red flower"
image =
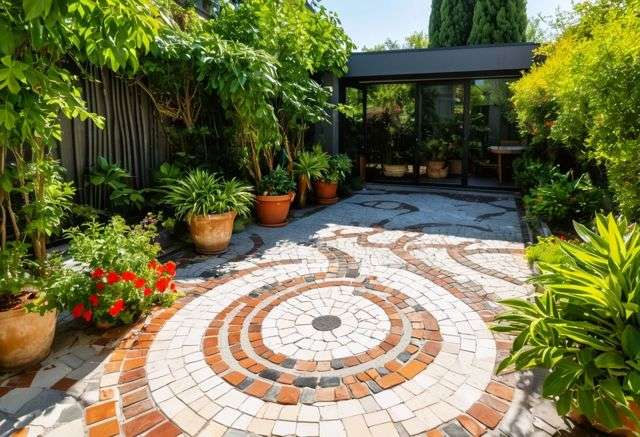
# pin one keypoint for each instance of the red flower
(93, 300)
(139, 283)
(77, 310)
(170, 268)
(153, 264)
(162, 284)
(112, 277)
(97, 273)
(100, 286)
(173, 287)
(129, 276)
(87, 315)
(116, 308)
(148, 292)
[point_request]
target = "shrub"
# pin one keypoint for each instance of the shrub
(584, 326)
(203, 193)
(121, 278)
(530, 173)
(563, 198)
(17, 271)
(277, 183)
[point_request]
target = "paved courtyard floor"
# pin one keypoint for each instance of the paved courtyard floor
(366, 318)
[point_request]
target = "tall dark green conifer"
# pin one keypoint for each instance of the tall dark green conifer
(499, 21)
(435, 24)
(456, 17)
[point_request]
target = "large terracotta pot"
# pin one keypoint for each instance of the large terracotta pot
(394, 170)
(326, 192)
(272, 211)
(212, 233)
(628, 429)
(437, 169)
(25, 338)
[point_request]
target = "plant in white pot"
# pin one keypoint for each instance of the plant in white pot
(209, 205)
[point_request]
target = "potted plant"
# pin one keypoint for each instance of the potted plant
(25, 337)
(209, 205)
(394, 164)
(455, 156)
(309, 165)
(276, 192)
(120, 278)
(326, 186)
(584, 326)
(436, 152)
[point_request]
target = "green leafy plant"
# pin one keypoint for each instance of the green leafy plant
(118, 182)
(121, 278)
(17, 272)
(338, 169)
(435, 149)
(563, 198)
(310, 165)
(277, 183)
(530, 173)
(204, 193)
(546, 250)
(585, 324)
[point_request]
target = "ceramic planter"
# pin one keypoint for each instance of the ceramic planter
(394, 170)
(25, 338)
(437, 169)
(272, 211)
(212, 233)
(326, 192)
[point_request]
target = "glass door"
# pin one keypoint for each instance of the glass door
(440, 148)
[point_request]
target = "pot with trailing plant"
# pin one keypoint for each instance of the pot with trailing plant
(25, 336)
(276, 192)
(326, 186)
(309, 165)
(209, 205)
(435, 150)
(584, 326)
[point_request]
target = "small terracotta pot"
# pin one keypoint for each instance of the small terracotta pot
(326, 192)
(25, 338)
(437, 169)
(272, 211)
(212, 233)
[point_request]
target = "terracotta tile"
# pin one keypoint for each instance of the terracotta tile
(133, 363)
(135, 396)
(234, 378)
(100, 411)
(142, 423)
(288, 395)
(484, 414)
(390, 380)
(412, 369)
(64, 384)
(325, 394)
(286, 378)
(105, 429)
(500, 390)
(342, 393)
(165, 429)
(434, 433)
(258, 388)
(358, 390)
(471, 425)
(137, 408)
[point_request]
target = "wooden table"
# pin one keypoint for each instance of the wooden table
(504, 150)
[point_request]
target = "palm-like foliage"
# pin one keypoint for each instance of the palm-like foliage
(585, 323)
(308, 166)
(202, 193)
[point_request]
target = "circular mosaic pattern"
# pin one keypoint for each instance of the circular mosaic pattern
(326, 323)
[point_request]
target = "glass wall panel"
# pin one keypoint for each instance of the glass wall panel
(391, 132)
(494, 139)
(352, 133)
(441, 148)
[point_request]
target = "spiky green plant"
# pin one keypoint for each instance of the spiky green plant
(203, 193)
(585, 324)
(309, 165)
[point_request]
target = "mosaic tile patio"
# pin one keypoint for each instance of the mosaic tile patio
(366, 318)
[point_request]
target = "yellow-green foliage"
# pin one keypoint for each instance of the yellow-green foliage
(586, 94)
(546, 250)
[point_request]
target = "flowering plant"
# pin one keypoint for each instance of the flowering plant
(123, 296)
(122, 279)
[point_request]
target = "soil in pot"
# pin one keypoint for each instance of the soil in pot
(272, 211)
(25, 338)
(211, 233)
(326, 192)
